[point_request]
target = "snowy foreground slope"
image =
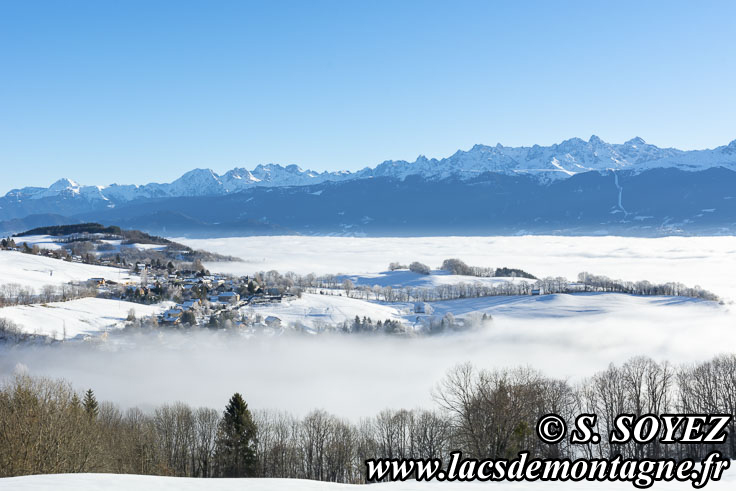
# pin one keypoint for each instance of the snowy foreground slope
(81, 317)
(112, 482)
(38, 271)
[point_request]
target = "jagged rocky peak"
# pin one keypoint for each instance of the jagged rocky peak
(198, 175)
(63, 183)
(637, 140)
(294, 169)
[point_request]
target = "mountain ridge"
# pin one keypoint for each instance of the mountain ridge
(655, 202)
(545, 163)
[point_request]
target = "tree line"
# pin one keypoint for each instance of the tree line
(526, 285)
(15, 294)
(458, 267)
(47, 427)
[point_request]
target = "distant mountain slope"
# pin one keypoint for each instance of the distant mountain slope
(576, 186)
(558, 161)
(9, 227)
(651, 203)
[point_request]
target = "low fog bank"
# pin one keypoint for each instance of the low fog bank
(356, 375)
(703, 261)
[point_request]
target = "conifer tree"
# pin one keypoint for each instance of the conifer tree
(236, 442)
(90, 404)
(76, 402)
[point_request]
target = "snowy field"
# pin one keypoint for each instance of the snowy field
(38, 271)
(42, 241)
(406, 278)
(571, 305)
(76, 318)
(706, 261)
(52, 242)
(313, 310)
(112, 482)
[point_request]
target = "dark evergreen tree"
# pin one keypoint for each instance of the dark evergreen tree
(236, 441)
(189, 318)
(90, 404)
(252, 287)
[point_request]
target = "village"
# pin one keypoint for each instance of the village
(200, 298)
(150, 270)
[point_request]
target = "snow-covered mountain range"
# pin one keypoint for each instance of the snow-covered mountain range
(547, 164)
(197, 182)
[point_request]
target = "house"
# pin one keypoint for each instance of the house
(97, 281)
(172, 316)
(228, 297)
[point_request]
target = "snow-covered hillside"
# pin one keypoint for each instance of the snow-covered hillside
(313, 310)
(36, 272)
(53, 242)
(406, 278)
(42, 241)
(113, 482)
(556, 161)
(76, 318)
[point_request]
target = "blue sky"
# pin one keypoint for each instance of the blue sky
(133, 92)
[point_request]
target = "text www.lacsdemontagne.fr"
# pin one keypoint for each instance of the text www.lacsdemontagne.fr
(641, 473)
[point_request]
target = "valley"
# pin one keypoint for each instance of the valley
(316, 325)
